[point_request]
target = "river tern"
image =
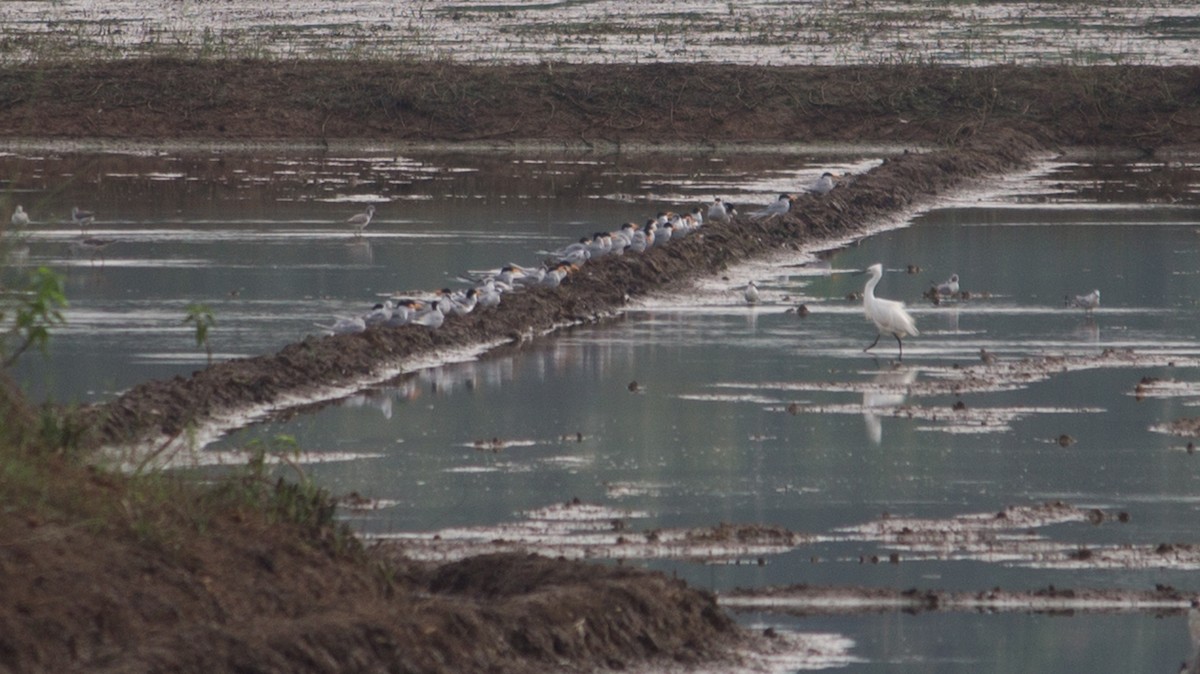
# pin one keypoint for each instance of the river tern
(822, 185)
(345, 326)
(780, 206)
(719, 211)
(430, 316)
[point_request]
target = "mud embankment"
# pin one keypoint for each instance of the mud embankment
(596, 290)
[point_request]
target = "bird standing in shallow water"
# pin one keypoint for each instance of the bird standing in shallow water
(360, 221)
(19, 217)
(1086, 302)
(83, 219)
(950, 287)
(889, 316)
(751, 293)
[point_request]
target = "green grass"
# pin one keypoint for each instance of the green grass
(45, 477)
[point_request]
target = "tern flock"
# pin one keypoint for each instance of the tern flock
(487, 287)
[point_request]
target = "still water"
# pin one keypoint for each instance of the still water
(740, 414)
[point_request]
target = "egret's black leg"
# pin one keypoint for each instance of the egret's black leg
(872, 344)
(901, 345)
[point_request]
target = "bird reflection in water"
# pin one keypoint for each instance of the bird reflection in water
(889, 390)
(359, 251)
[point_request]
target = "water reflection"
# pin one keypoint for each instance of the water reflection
(891, 393)
(1192, 665)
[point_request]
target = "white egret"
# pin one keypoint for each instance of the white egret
(889, 316)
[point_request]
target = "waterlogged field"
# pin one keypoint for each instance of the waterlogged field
(1020, 444)
(834, 32)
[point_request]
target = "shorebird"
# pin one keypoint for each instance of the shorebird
(92, 246)
(751, 293)
(82, 219)
(889, 316)
(718, 211)
(431, 316)
(345, 326)
(360, 221)
(822, 185)
(950, 287)
(781, 206)
(1086, 302)
(19, 217)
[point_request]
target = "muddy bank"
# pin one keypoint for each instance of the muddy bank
(246, 596)
(597, 290)
(170, 99)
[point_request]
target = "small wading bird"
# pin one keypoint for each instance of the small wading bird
(92, 247)
(1086, 302)
(950, 287)
(751, 293)
(889, 316)
(19, 217)
(360, 221)
(781, 206)
(82, 219)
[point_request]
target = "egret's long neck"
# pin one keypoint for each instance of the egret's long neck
(869, 290)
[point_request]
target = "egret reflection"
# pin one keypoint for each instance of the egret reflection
(890, 391)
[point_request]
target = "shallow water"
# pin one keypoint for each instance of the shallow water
(744, 415)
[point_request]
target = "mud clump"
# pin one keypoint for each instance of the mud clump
(256, 597)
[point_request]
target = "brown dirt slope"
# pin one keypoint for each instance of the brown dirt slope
(245, 596)
(1140, 106)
